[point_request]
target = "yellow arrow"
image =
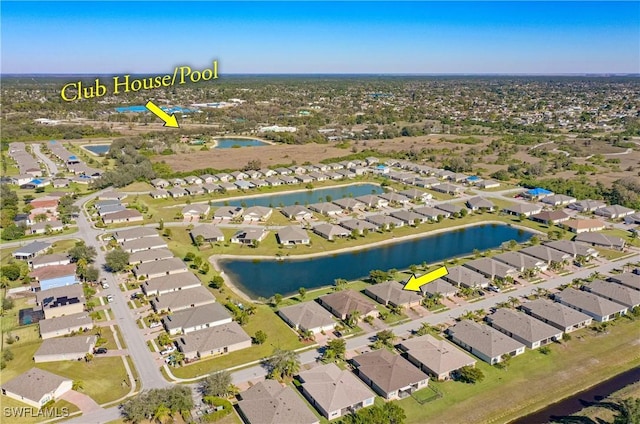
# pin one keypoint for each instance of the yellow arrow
(169, 120)
(414, 283)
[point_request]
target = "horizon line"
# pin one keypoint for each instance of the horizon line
(8, 74)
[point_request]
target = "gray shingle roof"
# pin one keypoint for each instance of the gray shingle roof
(135, 233)
(484, 339)
(171, 282)
(66, 321)
(213, 338)
(79, 345)
(388, 371)
(589, 302)
(392, 292)
(34, 384)
(193, 317)
(616, 292)
(347, 301)
(307, 315)
(439, 356)
(268, 402)
(522, 326)
(182, 299)
(555, 313)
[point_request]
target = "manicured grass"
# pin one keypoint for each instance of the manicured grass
(10, 318)
(624, 235)
(103, 377)
(532, 380)
(357, 285)
(279, 335)
(611, 254)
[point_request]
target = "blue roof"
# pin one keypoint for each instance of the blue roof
(381, 166)
(36, 181)
(538, 192)
(73, 157)
(473, 178)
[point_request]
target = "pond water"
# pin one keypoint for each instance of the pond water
(267, 277)
(98, 149)
(304, 197)
(228, 143)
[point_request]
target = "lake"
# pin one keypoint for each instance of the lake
(267, 277)
(98, 149)
(228, 143)
(304, 197)
(141, 109)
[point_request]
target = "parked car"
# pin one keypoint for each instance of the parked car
(155, 324)
(110, 298)
(494, 289)
(105, 285)
(168, 350)
(100, 351)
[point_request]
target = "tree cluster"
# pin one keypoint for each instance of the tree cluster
(157, 404)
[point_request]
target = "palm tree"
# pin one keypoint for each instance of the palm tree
(78, 385)
(283, 364)
(513, 301)
(353, 318)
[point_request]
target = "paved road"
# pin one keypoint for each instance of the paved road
(148, 372)
(51, 166)
(257, 371)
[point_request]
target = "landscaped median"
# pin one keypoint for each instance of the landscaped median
(533, 380)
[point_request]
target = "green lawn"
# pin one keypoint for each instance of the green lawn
(623, 234)
(279, 335)
(532, 380)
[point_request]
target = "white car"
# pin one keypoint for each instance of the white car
(168, 350)
(155, 324)
(110, 298)
(105, 285)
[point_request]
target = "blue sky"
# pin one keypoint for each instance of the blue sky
(322, 37)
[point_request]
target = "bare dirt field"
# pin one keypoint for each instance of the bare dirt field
(282, 154)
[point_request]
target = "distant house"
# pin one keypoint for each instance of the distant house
(31, 250)
(575, 250)
(257, 213)
(292, 235)
(209, 232)
(330, 231)
(486, 343)
(438, 358)
(144, 243)
(127, 215)
(393, 197)
(448, 189)
(349, 204)
(159, 268)
(580, 226)
(160, 183)
(389, 375)
(227, 213)
(343, 303)
(49, 260)
(392, 293)
(358, 225)
(308, 316)
(195, 211)
(61, 301)
(52, 276)
(170, 283)
(550, 217)
(385, 221)
(334, 392)
(599, 308)
(558, 200)
(372, 201)
(65, 325)
(537, 193)
(249, 236)
(134, 233)
(37, 387)
(409, 217)
(614, 212)
(297, 212)
(197, 318)
(546, 254)
(182, 299)
(214, 341)
(177, 192)
(417, 195)
(480, 203)
(440, 286)
(432, 214)
(618, 293)
(194, 190)
(46, 227)
(492, 269)
(601, 240)
(587, 205)
(150, 255)
(65, 348)
(627, 279)
(326, 208)
(524, 328)
(556, 314)
(462, 276)
(485, 184)
(521, 262)
(526, 209)
(268, 402)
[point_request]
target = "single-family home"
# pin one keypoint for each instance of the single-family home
(546, 254)
(485, 342)
(438, 358)
(65, 348)
(194, 190)
(537, 193)
(292, 235)
(182, 299)
(409, 217)
(61, 301)
(127, 215)
(31, 250)
(439, 286)
(159, 268)
(550, 217)
(358, 225)
(389, 375)
(486, 184)
(556, 314)
(37, 387)
(195, 211)
(326, 208)
(269, 402)
(344, 303)
(134, 233)
(524, 328)
(213, 341)
(197, 318)
(575, 250)
(177, 192)
(521, 262)
(627, 279)
(599, 308)
(416, 195)
(526, 209)
(587, 205)
(145, 243)
(373, 201)
(257, 213)
(308, 316)
(52, 276)
(349, 204)
(46, 227)
(558, 200)
(580, 226)
(492, 269)
(395, 198)
(334, 392)
(330, 231)
(209, 232)
(297, 212)
(465, 277)
(617, 293)
(601, 240)
(385, 222)
(49, 260)
(432, 214)
(151, 255)
(479, 203)
(448, 188)
(249, 235)
(169, 283)
(614, 212)
(392, 293)
(65, 325)
(227, 213)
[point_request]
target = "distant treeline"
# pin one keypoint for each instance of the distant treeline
(131, 165)
(31, 131)
(625, 192)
